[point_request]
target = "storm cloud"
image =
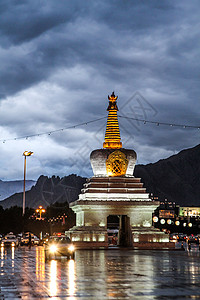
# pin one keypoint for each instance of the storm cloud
(60, 60)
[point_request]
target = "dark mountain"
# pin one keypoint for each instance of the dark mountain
(8, 188)
(176, 178)
(47, 191)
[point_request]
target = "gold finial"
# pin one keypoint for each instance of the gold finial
(112, 98)
(112, 136)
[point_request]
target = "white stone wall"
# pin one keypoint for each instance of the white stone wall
(96, 215)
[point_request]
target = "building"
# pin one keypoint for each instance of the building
(189, 211)
(172, 218)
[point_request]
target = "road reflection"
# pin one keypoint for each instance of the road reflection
(58, 278)
(100, 274)
(53, 278)
(40, 264)
(4, 253)
(126, 274)
(2, 259)
(71, 279)
(60, 274)
(13, 260)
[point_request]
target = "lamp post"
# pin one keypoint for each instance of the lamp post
(25, 154)
(40, 210)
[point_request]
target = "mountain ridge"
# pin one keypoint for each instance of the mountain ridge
(176, 178)
(47, 191)
(8, 188)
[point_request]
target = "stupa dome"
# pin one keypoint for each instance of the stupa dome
(113, 162)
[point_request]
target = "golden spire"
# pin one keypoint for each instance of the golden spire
(112, 136)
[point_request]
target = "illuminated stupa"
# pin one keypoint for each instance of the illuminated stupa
(114, 191)
(113, 160)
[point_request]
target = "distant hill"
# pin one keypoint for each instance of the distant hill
(8, 188)
(47, 191)
(176, 178)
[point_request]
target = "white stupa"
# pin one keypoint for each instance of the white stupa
(113, 190)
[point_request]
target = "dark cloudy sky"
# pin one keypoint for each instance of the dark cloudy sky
(59, 60)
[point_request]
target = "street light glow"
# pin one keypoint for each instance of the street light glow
(155, 219)
(25, 154)
(40, 210)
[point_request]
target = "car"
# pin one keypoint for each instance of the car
(193, 239)
(45, 239)
(59, 246)
(9, 240)
(173, 237)
(25, 239)
(182, 238)
(36, 240)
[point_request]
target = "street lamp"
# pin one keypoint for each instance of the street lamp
(25, 154)
(40, 210)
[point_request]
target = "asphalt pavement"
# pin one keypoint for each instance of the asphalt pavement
(100, 274)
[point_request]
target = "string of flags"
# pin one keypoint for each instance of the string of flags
(50, 132)
(160, 123)
(144, 121)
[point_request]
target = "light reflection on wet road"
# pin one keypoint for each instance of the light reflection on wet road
(113, 274)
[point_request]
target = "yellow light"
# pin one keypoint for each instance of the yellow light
(27, 153)
(53, 248)
(13, 244)
(177, 223)
(190, 224)
(71, 248)
(155, 219)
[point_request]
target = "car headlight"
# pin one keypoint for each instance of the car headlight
(2, 244)
(53, 248)
(13, 244)
(71, 248)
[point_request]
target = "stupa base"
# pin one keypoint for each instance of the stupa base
(150, 238)
(154, 245)
(88, 237)
(95, 237)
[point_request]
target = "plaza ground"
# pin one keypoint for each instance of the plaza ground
(100, 274)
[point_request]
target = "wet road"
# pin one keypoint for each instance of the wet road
(113, 274)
